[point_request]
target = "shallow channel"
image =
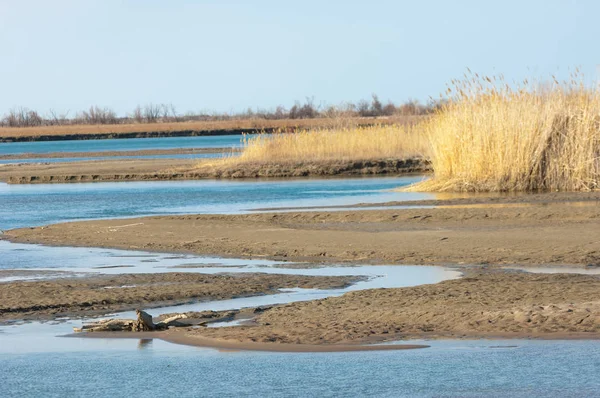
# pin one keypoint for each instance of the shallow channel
(33, 362)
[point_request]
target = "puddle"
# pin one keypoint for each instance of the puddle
(39, 258)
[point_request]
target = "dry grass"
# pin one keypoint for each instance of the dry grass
(491, 137)
(197, 126)
(337, 144)
(488, 136)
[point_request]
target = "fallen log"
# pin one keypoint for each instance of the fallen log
(143, 323)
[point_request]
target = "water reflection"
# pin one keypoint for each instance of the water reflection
(145, 344)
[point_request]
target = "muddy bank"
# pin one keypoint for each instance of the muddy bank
(539, 234)
(146, 152)
(185, 169)
(472, 200)
(484, 304)
(177, 337)
(97, 295)
(95, 170)
(318, 169)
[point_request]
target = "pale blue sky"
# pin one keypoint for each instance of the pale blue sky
(228, 55)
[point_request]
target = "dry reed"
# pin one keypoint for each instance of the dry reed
(337, 144)
(491, 137)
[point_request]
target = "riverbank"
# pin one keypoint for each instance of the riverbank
(557, 231)
(182, 129)
(484, 304)
(177, 337)
(192, 169)
(482, 235)
(67, 295)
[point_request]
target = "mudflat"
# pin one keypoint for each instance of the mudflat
(95, 170)
(483, 304)
(97, 295)
(558, 231)
(481, 235)
(191, 169)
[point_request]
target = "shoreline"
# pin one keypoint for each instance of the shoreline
(488, 301)
(450, 235)
(182, 339)
(116, 170)
(75, 296)
(184, 129)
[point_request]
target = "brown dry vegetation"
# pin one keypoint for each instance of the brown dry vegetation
(192, 127)
(488, 136)
(495, 137)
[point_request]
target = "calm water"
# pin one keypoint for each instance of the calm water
(33, 362)
(223, 141)
(447, 369)
(29, 205)
(82, 159)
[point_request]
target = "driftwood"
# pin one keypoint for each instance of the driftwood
(143, 323)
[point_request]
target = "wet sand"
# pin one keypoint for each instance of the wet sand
(549, 233)
(102, 294)
(193, 169)
(488, 302)
(178, 337)
(484, 304)
(96, 170)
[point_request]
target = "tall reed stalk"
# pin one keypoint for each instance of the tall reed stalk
(492, 137)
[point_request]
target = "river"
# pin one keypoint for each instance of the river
(34, 362)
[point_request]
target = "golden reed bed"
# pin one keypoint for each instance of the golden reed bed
(488, 136)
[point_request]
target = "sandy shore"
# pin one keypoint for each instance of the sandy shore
(96, 170)
(193, 169)
(481, 236)
(97, 295)
(485, 303)
(482, 305)
(552, 232)
(178, 337)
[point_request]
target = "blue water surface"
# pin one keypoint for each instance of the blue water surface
(485, 368)
(221, 141)
(33, 362)
(88, 158)
(39, 204)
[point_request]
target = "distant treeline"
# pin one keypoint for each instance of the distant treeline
(155, 113)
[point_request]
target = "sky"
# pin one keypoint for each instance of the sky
(228, 55)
